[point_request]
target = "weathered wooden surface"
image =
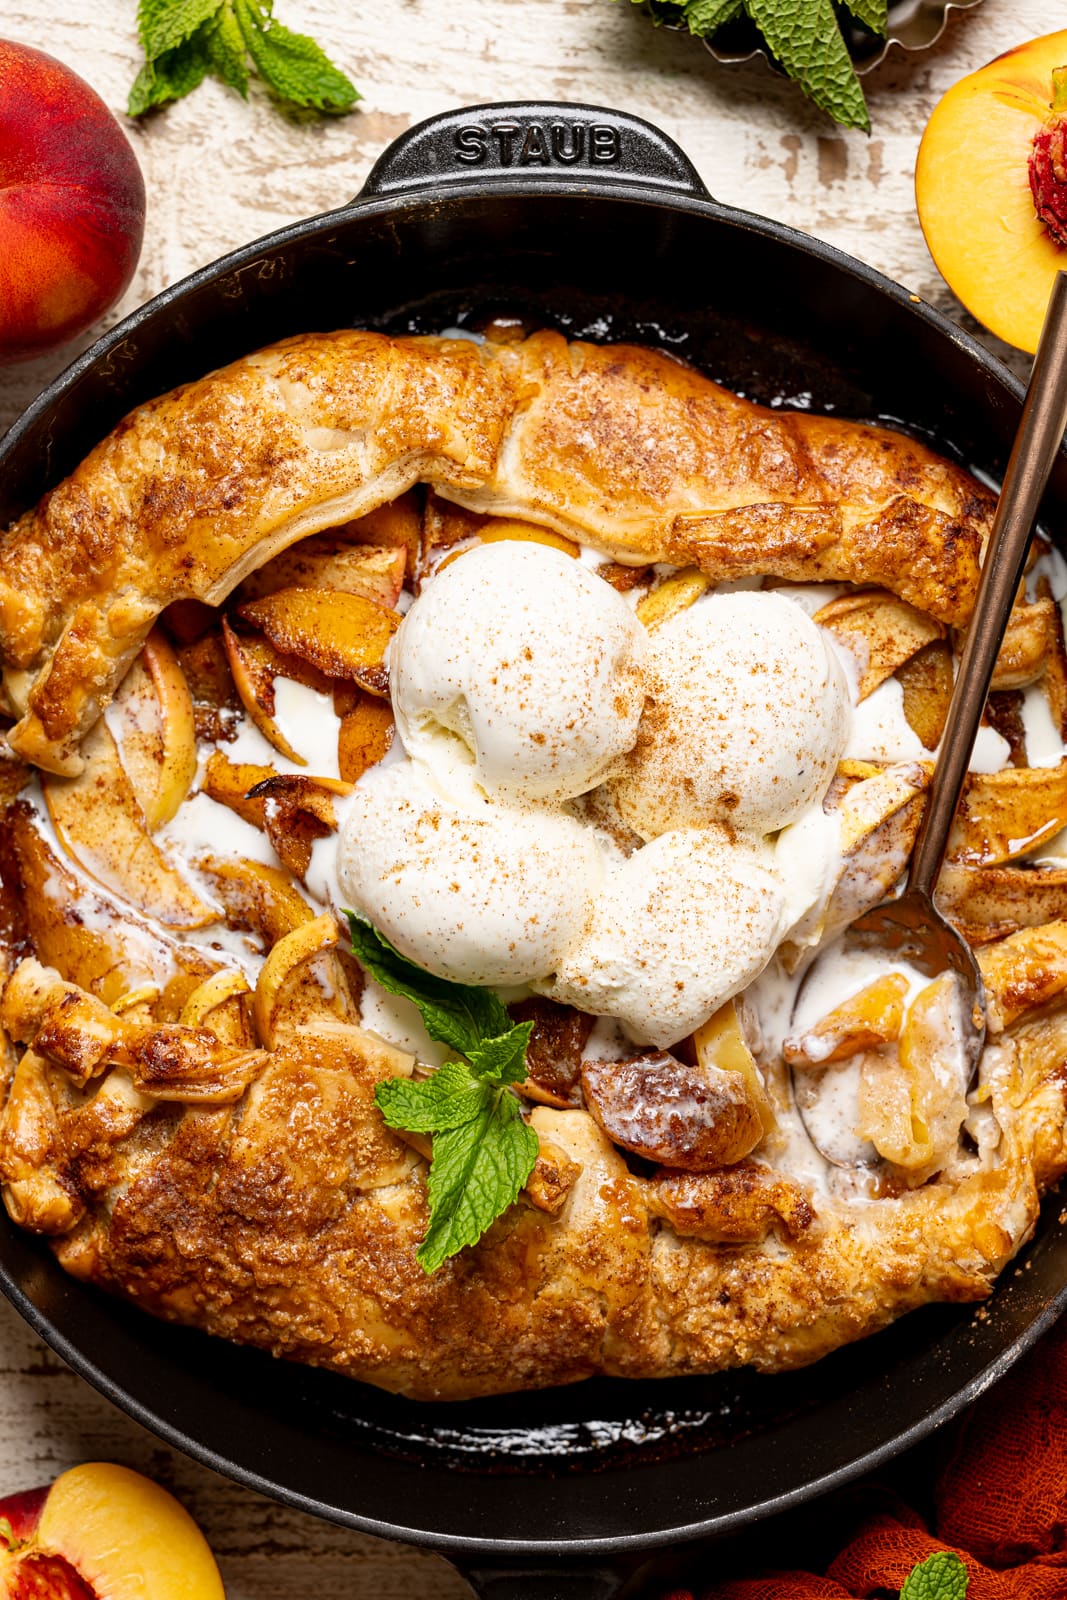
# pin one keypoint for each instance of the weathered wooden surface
(220, 172)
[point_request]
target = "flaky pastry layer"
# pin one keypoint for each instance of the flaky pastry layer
(619, 447)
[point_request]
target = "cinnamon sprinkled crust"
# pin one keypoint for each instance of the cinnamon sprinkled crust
(619, 447)
(231, 1172)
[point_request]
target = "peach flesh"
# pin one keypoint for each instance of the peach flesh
(102, 1532)
(972, 188)
(72, 204)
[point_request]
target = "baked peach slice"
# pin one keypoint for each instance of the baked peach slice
(365, 734)
(1008, 814)
(396, 525)
(255, 665)
(296, 812)
(879, 631)
(341, 635)
(991, 187)
(100, 824)
(229, 783)
(865, 1021)
(153, 711)
(102, 1532)
(327, 561)
(498, 530)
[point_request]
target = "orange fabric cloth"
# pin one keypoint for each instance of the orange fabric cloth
(1000, 1498)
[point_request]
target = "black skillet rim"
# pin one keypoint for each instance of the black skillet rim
(629, 192)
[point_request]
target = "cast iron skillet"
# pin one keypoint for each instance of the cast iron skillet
(594, 222)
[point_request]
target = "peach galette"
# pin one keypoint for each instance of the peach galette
(433, 764)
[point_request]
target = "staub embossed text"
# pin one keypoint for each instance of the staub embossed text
(537, 144)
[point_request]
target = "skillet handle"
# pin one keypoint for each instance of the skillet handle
(545, 1583)
(527, 141)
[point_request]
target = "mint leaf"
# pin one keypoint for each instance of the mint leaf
(170, 77)
(165, 24)
(805, 39)
(483, 1152)
(476, 1173)
(184, 40)
(451, 1097)
(872, 13)
(454, 1013)
(226, 51)
(941, 1576)
(503, 1059)
(705, 17)
(291, 64)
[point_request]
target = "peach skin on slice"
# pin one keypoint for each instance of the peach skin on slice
(1007, 814)
(229, 784)
(879, 630)
(365, 735)
(973, 189)
(99, 822)
(126, 1537)
(326, 561)
(255, 664)
(153, 710)
(342, 635)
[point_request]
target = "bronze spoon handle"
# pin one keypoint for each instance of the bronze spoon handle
(1037, 444)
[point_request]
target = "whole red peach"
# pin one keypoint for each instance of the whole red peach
(72, 204)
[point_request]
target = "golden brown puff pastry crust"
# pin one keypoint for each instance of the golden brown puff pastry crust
(288, 1218)
(622, 448)
(249, 1187)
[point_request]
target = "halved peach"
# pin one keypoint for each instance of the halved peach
(102, 1532)
(342, 635)
(977, 203)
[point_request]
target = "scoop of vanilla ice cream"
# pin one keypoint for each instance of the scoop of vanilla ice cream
(681, 925)
(531, 659)
(476, 890)
(747, 717)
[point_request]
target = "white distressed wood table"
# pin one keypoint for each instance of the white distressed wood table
(220, 172)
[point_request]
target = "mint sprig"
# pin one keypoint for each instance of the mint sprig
(941, 1576)
(483, 1152)
(185, 40)
(803, 36)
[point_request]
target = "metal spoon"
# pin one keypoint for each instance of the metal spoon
(910, 927)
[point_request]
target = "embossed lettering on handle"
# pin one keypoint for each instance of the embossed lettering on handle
(533, 140)
(564, 143)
